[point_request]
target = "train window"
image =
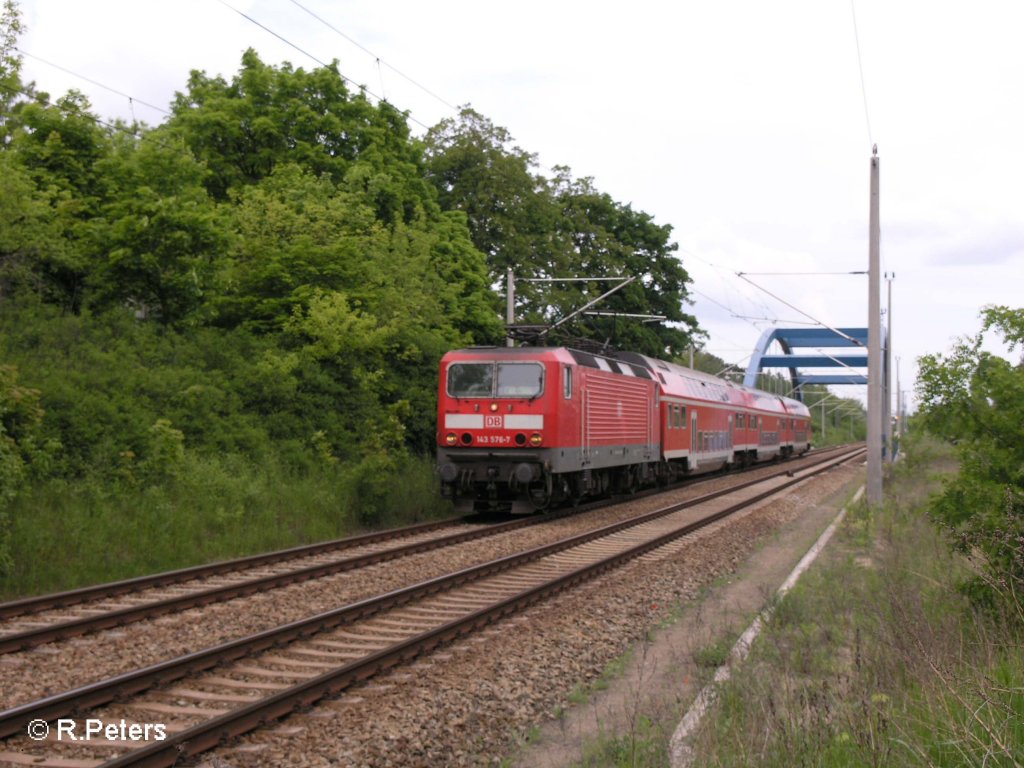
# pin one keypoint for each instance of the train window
(682, 416)
(753, 422)
(495, 379)
(740, 420)
(470, 379)
(567, 382)
(520, 380)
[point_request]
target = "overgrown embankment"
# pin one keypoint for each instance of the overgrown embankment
(128, 449)
(878, 657)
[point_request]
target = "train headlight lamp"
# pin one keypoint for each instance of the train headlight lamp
(451, 438)
(494, 407)
(536, 439)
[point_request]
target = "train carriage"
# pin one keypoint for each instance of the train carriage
(523, 428)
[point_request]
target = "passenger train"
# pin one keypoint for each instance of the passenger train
(525, 428)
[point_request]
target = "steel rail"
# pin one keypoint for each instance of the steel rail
(39, 603)
(61, 630)
(30, 638)
(207, 735)
(68, 598)
(102, 692)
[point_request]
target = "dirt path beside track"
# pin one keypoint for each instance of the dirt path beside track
(661, 677)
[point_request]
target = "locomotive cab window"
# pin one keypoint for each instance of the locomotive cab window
(495, 380)
(520, 380)
(470, 379)
(567, 382)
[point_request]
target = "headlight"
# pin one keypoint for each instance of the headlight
(536, 439)
(451, 438)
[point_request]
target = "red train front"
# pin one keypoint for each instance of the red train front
(526, 427)
(523, 428)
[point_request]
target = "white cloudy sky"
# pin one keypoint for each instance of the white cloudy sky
(742, 124)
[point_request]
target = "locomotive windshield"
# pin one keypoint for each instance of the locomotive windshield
(495, 380)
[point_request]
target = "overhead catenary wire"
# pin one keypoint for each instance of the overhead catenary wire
(798, 274)
(860, 68)
(379, 60)
(97, 83)
(846, 336)
(304, 52)
(119, 127)
(86, 115)
(725, 274)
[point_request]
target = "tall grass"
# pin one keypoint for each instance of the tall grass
(877, 658)
(65, 534)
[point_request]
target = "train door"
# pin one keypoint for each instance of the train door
(693, 433)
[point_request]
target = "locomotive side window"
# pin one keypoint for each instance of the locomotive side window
(520, 380)
(470, 379)
(567, 382)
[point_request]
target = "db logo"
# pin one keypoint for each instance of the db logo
(493, 422)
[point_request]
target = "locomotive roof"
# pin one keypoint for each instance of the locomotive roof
(649, 368)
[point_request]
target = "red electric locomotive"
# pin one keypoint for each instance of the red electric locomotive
(527, 427)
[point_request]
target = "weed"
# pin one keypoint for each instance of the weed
(876, 658)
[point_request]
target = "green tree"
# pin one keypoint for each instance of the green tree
(11, 89)
(160, 235)
(295, 233)
(268, 116)
(603, 238)
(477, 170)
(558, 228)
(59, 146)
(29, 236)
(20, 417)
(976, 399)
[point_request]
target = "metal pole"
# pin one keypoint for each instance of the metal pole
(510, 306)
(823, 419)
(875, 374)
(899, 403)
(887, 400)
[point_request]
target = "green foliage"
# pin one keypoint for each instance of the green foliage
(59, 148)
(646, 746)
(267, 116)
(558, 228)
(20, 417)
(268, 279)
(10, 64)
(160, 235)
(875, 658)
(976, 399)
(70, 533)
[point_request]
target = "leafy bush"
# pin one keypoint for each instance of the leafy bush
(976, 399)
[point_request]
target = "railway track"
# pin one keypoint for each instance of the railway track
(235, 687)
(35, 621)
